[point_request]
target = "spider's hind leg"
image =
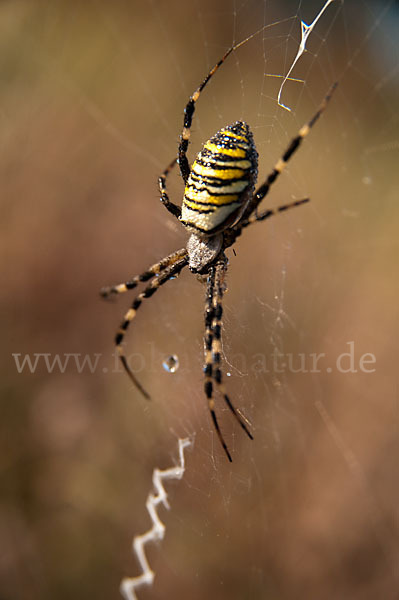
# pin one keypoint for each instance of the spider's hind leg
(188, 117)
(280, 165)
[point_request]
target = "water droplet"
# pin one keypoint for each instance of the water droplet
(171, 363)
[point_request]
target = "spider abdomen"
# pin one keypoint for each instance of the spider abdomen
(221, 181)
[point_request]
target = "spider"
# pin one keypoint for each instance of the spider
(219, 202)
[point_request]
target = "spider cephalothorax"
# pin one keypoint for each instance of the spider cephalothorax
(219, 202)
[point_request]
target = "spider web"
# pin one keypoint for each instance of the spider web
(91, 113)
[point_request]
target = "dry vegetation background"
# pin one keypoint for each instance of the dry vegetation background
(90, 109)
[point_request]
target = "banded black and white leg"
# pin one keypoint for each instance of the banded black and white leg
(221, 269)
(170, 206)
(155, 269)
(248, 217)
(208, 342)
(188, 118)
(213, 348)
(170, 271)
(266, 214)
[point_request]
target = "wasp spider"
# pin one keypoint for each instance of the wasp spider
(219, 202)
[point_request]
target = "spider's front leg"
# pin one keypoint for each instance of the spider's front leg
(213, 347)
(208, 343)
(155, 269)
(174, 267)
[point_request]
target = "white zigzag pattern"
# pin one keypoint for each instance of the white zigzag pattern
(157, 531)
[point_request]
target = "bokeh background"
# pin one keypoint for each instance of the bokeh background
(91, 106)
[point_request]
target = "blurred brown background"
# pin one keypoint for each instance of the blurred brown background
(91, 106)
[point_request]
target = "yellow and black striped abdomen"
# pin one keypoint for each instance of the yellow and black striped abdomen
(221, 180)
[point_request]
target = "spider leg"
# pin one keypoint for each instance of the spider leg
(272, 211)
(155, 269)
(170, 206)
(188, 117)
(208, 341)
(280, 165)
(169, 272)
(221, 269)
(213, 374)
